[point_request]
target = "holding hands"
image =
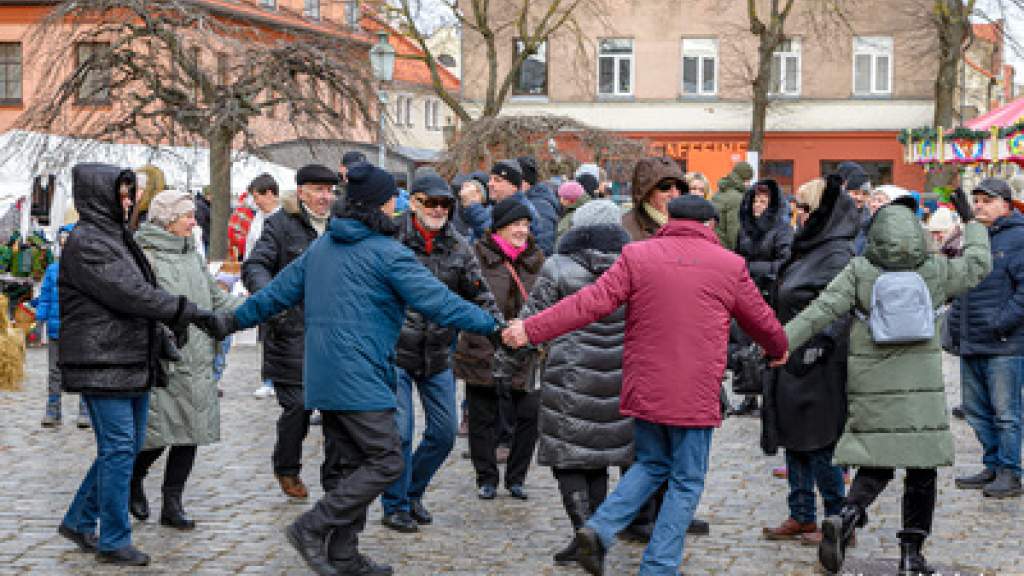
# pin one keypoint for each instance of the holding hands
(515, 335)
(777, 362)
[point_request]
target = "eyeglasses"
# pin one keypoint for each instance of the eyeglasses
(436, 202)
(666, 185)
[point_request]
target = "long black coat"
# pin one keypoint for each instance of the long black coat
(424, 348)
(110, 305)
(286, 235)
(805, 401)
(764, 242)
(580, 424)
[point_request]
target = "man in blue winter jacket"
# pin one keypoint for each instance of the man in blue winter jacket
(986, 327)
(355, 282)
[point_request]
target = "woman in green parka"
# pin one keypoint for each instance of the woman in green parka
(186, 413)
(895, 394)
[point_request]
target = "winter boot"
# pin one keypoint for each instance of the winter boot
(579, 511)
(748, 407)
(836, 533)
(912, 562)
(51, 418)
(137, 503)
(1005, 485)
(172, 513)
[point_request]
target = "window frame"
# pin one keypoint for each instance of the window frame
(312, 9)
(862, 46)
(795, 50)
(700, 54)
(541, 49)
(103, 100)
(17, 62)
(616, 58)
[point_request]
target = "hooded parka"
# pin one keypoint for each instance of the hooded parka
(187, 412)
(897, 401)
(581, 377)
(766, 241)
(805, 400)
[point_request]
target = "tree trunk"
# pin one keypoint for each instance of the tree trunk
(760, 97)
(220, 194)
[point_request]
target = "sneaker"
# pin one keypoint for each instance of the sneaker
(486, 492)
(264, 392)
(518, 491)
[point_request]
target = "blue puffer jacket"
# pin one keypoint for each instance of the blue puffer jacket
(546, 225)
(48, 307)
(355, 283)
(989, 320)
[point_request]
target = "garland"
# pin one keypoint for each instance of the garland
(961, 133)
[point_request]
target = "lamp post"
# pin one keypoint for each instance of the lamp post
(382, 61)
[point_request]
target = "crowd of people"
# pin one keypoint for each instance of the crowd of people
(560, 311)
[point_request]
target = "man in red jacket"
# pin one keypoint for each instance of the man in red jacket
(680, 288)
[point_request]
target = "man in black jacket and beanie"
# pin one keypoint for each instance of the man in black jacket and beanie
(423, 354)
(286, 235)
(114, 332)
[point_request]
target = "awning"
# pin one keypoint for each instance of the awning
(1006, 115)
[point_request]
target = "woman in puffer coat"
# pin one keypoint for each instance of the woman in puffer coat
(582, 432)
(897, 402)
(186, 413)
(805, 400)
(765, 241)
(510, 260)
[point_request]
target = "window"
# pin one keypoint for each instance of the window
(311, 9)
(533, 74)
(10, 73)
(268, 3)
(403, 110)
(878, 172)
(95, 87)
(872, 65)
(352, 13)
(615, 67)
(700, 67)
(432, 115)
(786, 68)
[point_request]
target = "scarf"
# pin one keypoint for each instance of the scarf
(654, 214)
(427, 235)
(510, 251)
(319, 223)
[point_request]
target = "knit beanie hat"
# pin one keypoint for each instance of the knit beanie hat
(692, 207)
(509, 170)
(369, 186)
(597, 212)
(570, 191)
(508, 211)
(744, 170)
(529, 167)
(316, 173)
(942, 220)
(168, 206)
(588, 181)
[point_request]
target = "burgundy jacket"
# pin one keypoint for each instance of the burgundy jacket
(680, 288)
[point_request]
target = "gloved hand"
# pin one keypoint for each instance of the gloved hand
(495, 336)
(503, 386)
(170, 343)
(962, 205)
(217, 325)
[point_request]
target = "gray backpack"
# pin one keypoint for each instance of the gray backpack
(901, 309)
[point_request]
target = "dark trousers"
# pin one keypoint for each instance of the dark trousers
(918, 493)
(179, 465)
(483, 434)
(292, 427)
(582, 490)
(363, 455)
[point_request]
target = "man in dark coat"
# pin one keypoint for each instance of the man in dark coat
(987, 329)
(356, 283)
(544, 200)
(423, 355)
(286, 235)
(113, 336)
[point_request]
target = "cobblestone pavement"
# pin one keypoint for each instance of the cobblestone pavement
(241, 513)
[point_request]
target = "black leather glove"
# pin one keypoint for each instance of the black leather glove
(170, 343)
(503, 387)
(217, 325)
(962, 205)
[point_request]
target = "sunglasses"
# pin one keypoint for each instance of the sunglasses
(436, 202)
(666, 185)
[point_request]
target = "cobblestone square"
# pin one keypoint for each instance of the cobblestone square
(241, 513)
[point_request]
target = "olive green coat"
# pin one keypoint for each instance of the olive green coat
(187, 411)
(895, 393)
(566, 222)
(727, 202)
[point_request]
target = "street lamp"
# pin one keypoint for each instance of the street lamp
(382, 61)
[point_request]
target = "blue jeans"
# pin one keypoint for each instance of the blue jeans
(220, 359)
(120, 428)
(678, 455)
(437, 395)
(804, 470)
(991, 390)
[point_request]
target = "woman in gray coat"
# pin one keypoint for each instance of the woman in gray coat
(581, 430)
(186, 413)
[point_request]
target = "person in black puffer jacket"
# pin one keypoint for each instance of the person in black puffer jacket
(805, 401)
(424, 350)
(764, 241)
(581, 430)
(114, 324)
(286, 235)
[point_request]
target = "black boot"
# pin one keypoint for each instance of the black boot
(137, 504)
(591, 552)
(172, 513)
(912, 562)
(578, 510)
(836, 532)
(746, 408)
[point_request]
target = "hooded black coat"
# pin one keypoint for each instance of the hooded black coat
(805, 400)
(110, 305)
(764, 242)
(580, 424)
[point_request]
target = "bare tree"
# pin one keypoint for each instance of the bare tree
(184, 72)
(951, 21)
